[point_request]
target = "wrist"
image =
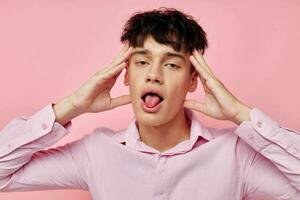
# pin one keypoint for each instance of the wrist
(243, 114)
(64, 111)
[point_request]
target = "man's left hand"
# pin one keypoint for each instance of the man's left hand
(219, 102)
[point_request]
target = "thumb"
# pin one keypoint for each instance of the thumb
(194, 105)
(119, 101)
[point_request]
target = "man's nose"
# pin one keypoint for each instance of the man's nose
(155, 75)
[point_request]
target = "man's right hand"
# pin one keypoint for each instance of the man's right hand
(94, 95)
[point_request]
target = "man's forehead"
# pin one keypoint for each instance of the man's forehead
(164, 53)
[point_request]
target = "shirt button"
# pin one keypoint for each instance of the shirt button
(44, 126)
(259, 124)
(10, 146)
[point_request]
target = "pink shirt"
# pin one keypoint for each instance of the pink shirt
(259, 159)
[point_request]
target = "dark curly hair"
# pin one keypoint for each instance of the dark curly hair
(167, 26)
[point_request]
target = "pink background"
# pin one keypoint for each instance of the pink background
(49, 48)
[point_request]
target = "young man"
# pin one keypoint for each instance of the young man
(165, 153)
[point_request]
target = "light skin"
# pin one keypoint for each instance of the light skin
(159, 66)
(94, 95)
(155, 65)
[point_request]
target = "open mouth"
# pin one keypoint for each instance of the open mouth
(152, 99)
(152, 94)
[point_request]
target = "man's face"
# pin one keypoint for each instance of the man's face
(159, 69)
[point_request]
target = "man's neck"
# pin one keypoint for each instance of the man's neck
(168, 135)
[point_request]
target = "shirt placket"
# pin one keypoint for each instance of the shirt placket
(160, 178)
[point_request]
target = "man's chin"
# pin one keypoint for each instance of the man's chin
(151, 119)
(148, 121)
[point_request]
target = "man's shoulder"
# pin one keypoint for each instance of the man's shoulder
(230, 138)
(219, 132)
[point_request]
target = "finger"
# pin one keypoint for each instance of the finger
(194, 105)
(115, 71)
(206, 78)
(204, 84)
(123, 56)
(201, 78)
(125, 47)
(109, 73)
(202, 72)
(119, 101)
(123, 50)
(200, 59)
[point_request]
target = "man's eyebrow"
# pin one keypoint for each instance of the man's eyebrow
(143, 52)
(171, 54)
(168, 54)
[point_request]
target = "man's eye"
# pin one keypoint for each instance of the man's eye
(141, 63)
(171, 65)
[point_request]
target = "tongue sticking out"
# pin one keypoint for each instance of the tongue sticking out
(152, 100)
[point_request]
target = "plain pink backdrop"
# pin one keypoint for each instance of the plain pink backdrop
(50, 48)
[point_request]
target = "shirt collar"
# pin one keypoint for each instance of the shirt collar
(132, 138)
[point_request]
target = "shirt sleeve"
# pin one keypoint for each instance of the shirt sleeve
(274, 170)
(25, 166)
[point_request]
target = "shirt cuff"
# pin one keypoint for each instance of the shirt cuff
(260, 131)
(55, 131)
(40, 128)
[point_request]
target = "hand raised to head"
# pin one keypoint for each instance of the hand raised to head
(219, 102)
(94, 95)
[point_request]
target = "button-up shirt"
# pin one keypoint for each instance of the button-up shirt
(259, 159)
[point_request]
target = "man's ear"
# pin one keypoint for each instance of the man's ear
(126, 81)
(194, 81)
